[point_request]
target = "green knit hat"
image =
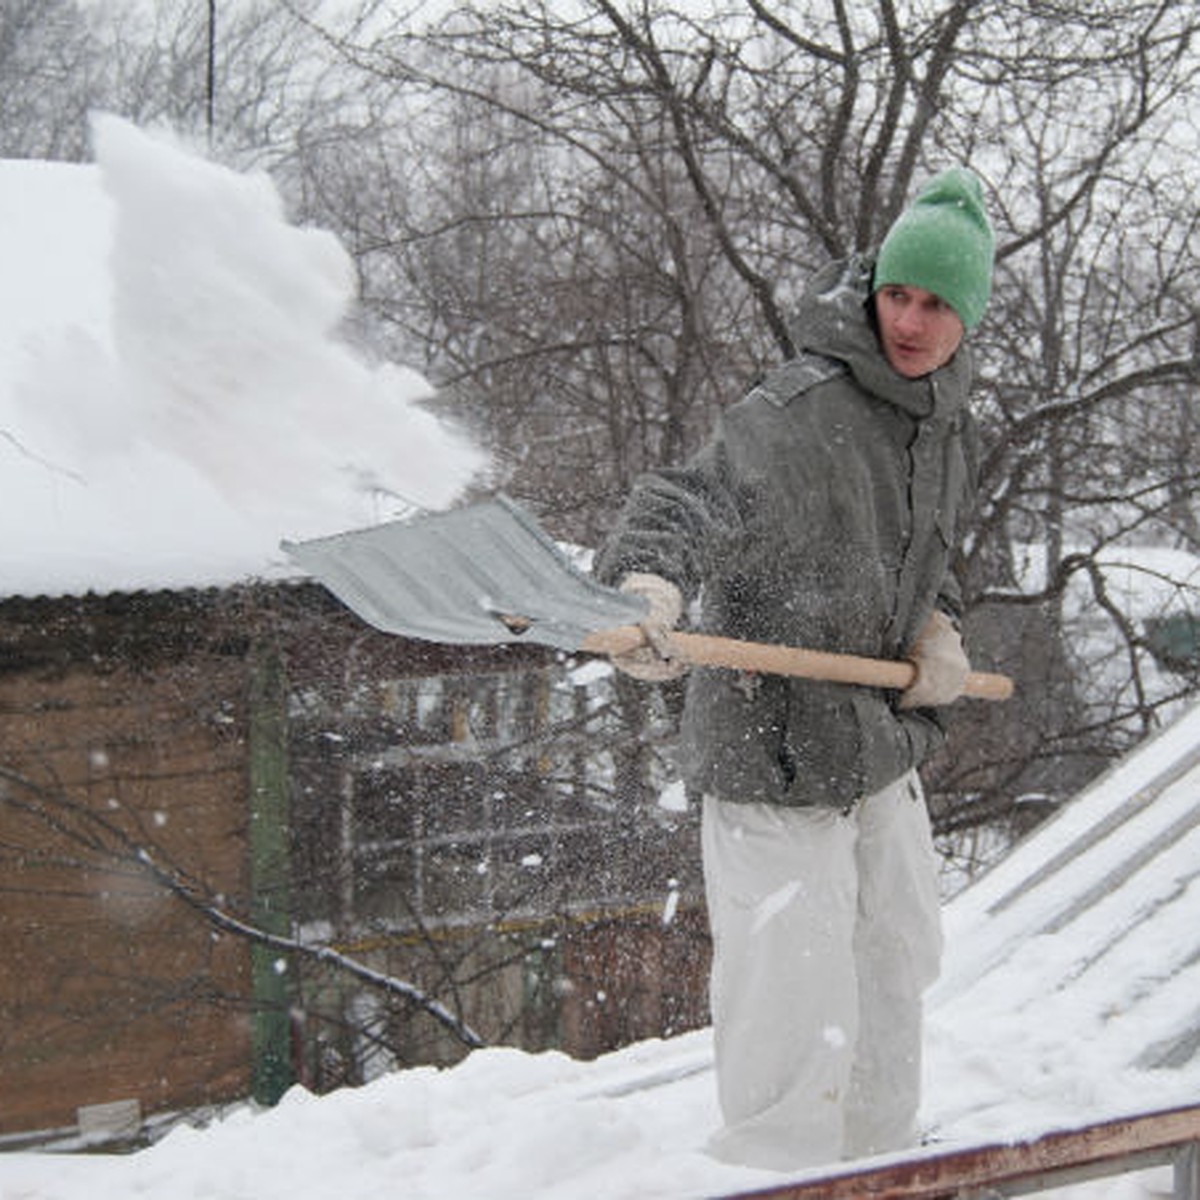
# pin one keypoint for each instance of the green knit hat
(943, 243)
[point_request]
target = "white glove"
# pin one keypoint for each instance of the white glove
(941, 663)
(649, 663)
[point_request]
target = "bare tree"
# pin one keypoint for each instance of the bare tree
(1088, 363)
(616, 207)
(53, 73)
(242, 77)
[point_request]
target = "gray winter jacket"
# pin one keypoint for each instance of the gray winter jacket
(822, 513)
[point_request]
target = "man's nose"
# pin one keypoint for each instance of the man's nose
(909, 319)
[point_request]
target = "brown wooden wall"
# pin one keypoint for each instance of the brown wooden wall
(124, 723)
(633, 977)
(108, 983)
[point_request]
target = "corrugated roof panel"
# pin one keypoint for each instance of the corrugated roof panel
(1091, 925)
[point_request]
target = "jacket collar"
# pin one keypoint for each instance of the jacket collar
(834, 319)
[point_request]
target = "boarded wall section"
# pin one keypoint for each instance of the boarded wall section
(122, 740)
(475, 820)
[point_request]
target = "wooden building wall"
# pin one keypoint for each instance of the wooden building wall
(110, 988)
(440, 823)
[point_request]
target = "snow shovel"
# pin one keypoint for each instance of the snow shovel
(489, 574)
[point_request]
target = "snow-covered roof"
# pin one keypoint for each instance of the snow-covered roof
(1075, 962)
(176, 395)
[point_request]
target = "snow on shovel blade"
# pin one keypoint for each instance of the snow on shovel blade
(482, 575)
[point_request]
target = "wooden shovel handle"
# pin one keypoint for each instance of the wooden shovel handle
(699, 649)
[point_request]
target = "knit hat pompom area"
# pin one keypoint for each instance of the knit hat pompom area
(943, 243)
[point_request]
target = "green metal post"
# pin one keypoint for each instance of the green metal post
(270, 875)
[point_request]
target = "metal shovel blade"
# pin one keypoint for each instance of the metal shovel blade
(482, 575)
(489, 574)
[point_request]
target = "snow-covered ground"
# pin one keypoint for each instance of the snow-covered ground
(165, 421)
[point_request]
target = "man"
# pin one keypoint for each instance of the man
(824, 512)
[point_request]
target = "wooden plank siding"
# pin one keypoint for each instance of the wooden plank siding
(108, 983)
(438, 827)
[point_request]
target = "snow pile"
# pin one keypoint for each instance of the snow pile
(174, 394)
(504, 1125)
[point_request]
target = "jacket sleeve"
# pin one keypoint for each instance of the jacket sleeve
(949, 598)
(676, 522)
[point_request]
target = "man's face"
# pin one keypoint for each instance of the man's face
(919, 331)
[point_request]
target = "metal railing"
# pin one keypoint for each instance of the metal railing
(992, 1171)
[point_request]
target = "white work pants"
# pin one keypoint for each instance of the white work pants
(826, 930)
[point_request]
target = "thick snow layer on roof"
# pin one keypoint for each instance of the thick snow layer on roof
(175, 395)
